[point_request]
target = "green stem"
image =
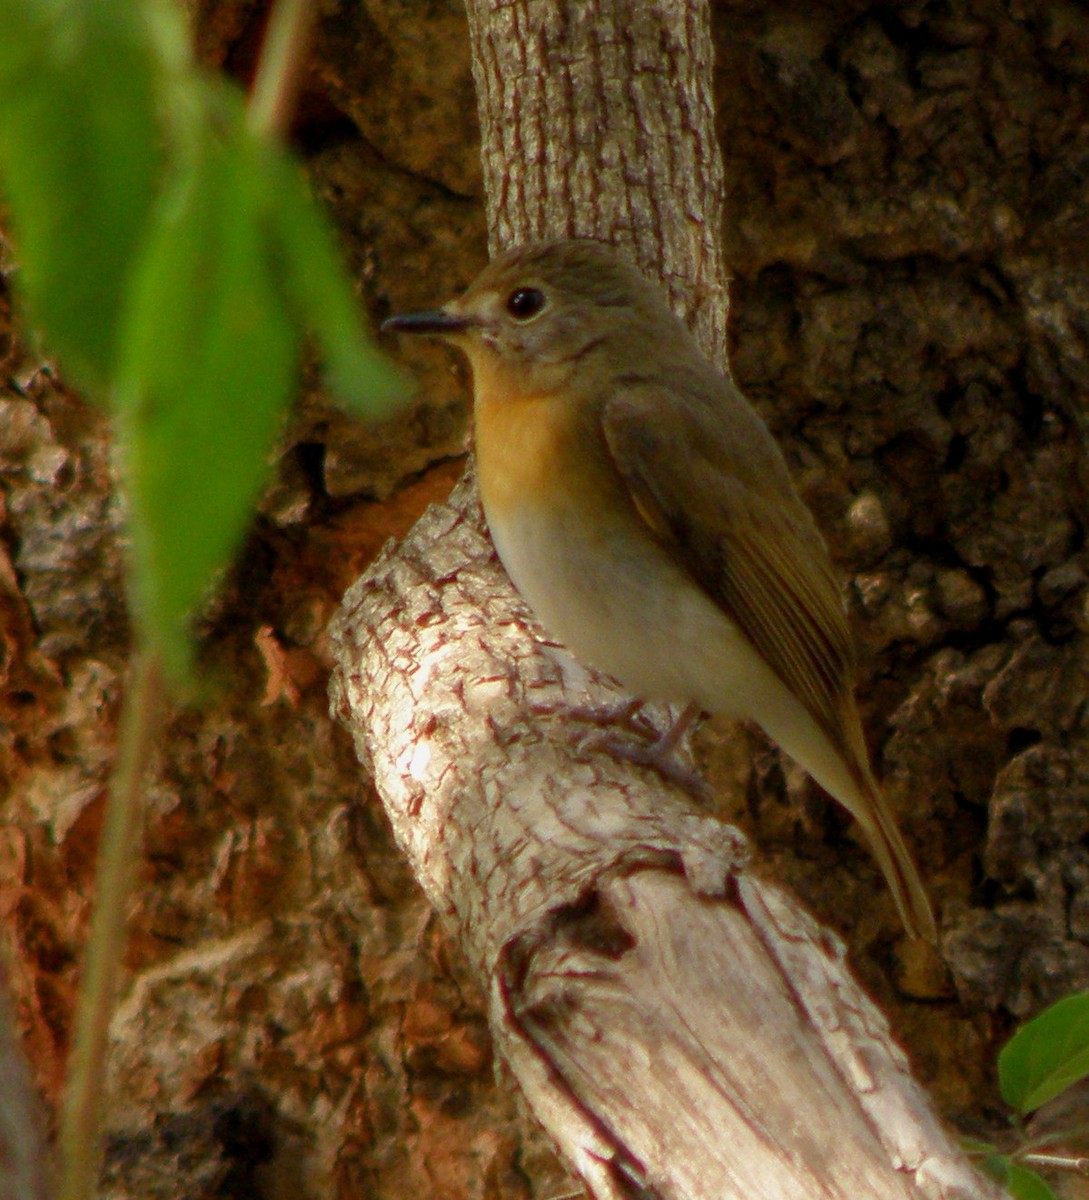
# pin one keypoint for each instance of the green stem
(82, 1112)
(279, 71)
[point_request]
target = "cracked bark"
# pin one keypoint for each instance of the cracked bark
(675, 1021)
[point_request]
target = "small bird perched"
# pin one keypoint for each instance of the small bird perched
(646, 514)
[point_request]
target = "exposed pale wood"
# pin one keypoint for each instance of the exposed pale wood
(677, 1023)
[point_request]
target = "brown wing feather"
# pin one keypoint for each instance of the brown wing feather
(715, 491)
(718, 495)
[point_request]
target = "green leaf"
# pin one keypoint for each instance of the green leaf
(79, 158)
(322, 297)
(1018, 1181)
(997, 1167)
(1047, 1055)
(1024, 1184)
(210, 366)
(179, 293)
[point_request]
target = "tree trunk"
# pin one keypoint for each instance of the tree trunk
(678, 1024)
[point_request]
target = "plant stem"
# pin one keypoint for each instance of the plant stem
(82, 1112)
(1075, 1164)
(279, 70)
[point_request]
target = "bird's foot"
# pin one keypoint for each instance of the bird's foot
(661, 757)
(651, 749)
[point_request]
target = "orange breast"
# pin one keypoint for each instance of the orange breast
(524, 449)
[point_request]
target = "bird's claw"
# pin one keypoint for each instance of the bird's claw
(651, 748)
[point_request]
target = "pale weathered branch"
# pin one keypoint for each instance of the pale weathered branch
(678, 1024)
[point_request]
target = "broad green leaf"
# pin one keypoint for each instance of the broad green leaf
(211, 353)
(321, 295)
(1024, 1184)
(79, 158)
(179, 292)
(1047, 1055)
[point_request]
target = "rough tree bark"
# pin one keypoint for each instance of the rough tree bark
(675, 1021)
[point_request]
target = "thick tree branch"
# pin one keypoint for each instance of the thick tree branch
(671, 1018)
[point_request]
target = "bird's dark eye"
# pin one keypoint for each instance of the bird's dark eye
(524, 303)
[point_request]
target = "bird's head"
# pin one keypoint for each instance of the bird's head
(538, 312)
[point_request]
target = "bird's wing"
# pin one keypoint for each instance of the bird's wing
(718, 496)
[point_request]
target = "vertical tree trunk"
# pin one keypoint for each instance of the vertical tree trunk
(597, 120)
(678, 1024)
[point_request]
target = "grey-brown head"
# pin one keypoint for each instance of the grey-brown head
(540, 308)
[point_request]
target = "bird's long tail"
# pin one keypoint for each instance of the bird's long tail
(872, 812)
(897, 866)
(833, 751)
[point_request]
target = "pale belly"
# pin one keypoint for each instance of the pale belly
(618, 602)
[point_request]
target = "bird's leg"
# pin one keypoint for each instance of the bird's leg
(655, 750)
(661, 753)
(630, 714)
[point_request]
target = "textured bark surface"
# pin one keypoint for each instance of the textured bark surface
(905, 224)
(598, 121)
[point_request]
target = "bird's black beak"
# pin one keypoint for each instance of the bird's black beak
(430, 320)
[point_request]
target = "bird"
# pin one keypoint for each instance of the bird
(648, 517)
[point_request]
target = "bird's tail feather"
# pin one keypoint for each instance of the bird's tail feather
(897, 865)
(872, 812)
